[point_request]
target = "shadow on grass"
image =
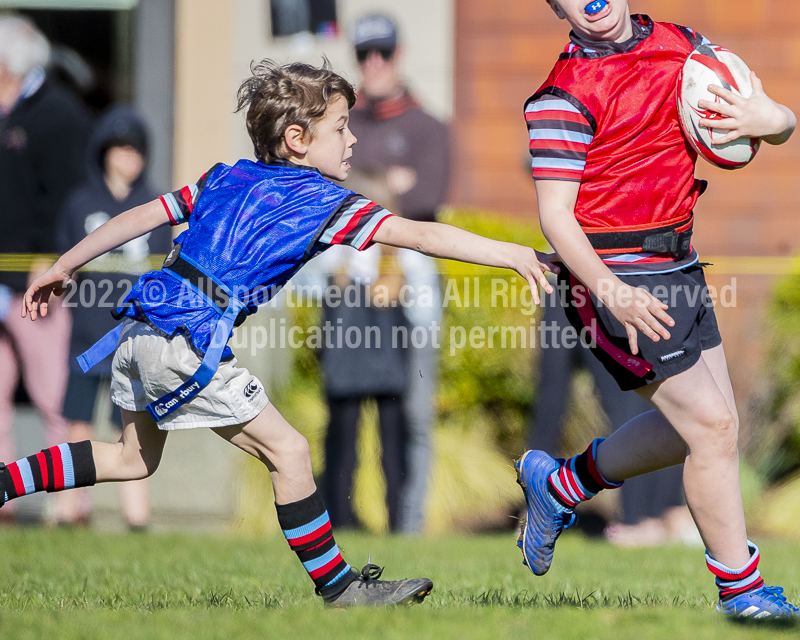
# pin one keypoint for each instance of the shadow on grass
(766, 623)
(571, 600)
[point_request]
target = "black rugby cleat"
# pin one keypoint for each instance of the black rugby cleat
(366, 590)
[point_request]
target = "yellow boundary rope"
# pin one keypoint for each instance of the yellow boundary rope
(721, 265)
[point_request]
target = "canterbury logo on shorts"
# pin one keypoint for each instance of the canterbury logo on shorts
(252, 389)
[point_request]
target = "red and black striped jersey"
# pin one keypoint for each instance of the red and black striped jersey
(607, 117)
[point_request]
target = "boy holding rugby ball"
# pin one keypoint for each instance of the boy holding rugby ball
(616, 190)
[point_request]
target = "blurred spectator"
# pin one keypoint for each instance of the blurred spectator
(398, 141)
(652, 504)
(372, 365)
(116, 166)
(43, 135)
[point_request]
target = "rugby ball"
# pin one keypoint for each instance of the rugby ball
(706, 65)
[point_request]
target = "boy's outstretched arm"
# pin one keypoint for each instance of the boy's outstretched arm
(635, 308)
(117, 231)
(445, 241)
(758, 116)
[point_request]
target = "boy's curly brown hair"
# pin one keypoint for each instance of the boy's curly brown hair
(277, 96)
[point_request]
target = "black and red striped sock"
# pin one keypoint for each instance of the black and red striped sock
(734, 582)
(61, 467)
(307, 528)
(578, 479)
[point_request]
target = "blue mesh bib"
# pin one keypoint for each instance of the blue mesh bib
(252, 227)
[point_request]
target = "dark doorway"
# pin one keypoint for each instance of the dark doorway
(101, 71)
(297, 16)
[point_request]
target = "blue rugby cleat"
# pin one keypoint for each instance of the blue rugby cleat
(766, 602)
(546, 519)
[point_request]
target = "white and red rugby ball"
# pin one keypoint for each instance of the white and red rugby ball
(706, 65)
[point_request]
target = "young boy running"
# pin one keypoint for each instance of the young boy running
(616, 189)
(251, 227)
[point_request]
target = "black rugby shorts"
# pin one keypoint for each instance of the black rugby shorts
(695, 330)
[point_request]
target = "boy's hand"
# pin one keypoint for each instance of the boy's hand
(55, 280)
(38, 267)
(638, 310)
(758, 116)
(531, 265)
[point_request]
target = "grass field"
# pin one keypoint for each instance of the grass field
(68, 584)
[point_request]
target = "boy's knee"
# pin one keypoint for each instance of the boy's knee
(293, 458)
(728, 424)
(720, 435)
(735, 415)
(136, 465)
(150, 467)
(298, 449)
(139, 470)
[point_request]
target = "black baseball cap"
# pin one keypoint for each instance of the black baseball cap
(375, 31)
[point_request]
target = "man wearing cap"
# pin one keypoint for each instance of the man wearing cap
(409, 148)
(43, 136)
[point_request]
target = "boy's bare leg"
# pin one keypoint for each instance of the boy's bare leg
(134, 496)
(718, 365)
(74, 465)
(304, 519)
(136, 455)
(285, 452)
(645, 443)
(72, 506)
(699, 403)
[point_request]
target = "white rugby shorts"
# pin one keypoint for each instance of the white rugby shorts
(147, 366)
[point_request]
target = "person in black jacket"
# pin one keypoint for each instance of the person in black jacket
(43, 136)
(116, 164)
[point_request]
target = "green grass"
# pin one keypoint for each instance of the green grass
(63, 585)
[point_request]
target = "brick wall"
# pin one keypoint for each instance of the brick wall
(502, 56)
